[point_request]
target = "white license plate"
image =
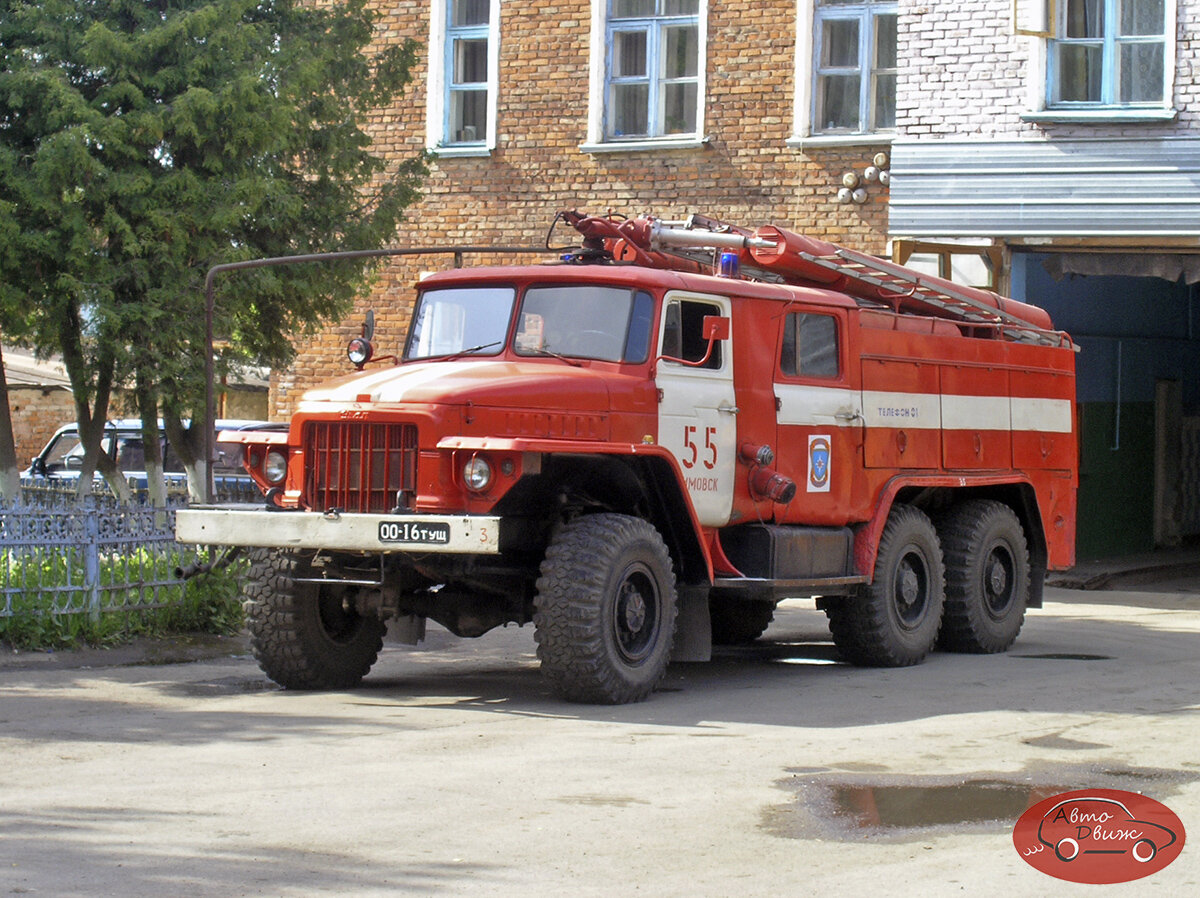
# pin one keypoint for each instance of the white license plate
(417, 532)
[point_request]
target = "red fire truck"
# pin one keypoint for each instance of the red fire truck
(645, 446)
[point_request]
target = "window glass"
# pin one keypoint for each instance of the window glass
(469, 12)
(1108, 53)
(1085, 18)
(65, 452)
(855, 66)
(652, 76)
(810, 347)
(1141, 73)
(582, 321)
(683, 332)
(468, 46)
(1142, 18)
(460, 321)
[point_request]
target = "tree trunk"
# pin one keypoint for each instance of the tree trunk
(188, 444)
(10, 474)
(90, 418)
(147, 404)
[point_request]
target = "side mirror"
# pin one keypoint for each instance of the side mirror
(37, 466)
(716, 327)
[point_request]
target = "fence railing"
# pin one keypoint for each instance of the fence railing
(63, 555)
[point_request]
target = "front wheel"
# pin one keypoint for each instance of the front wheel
(605, 610)
(306, 635)
(894, 621)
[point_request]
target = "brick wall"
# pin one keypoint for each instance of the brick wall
(745, 174)
(964, 74)
(36, 413)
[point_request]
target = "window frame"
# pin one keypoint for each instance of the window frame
(791, 326)
(1041, 83)
(808, 73)
(440, 80)
(599, 140)
(1110, 43)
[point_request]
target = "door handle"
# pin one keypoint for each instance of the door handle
(728, 409)
(848, 416)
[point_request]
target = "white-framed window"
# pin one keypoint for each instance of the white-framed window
(464, 67)
(846, 67)
(1107, 53)
(647, 77)
(1100, 60)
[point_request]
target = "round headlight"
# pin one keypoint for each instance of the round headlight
(275, 467)
(477, 474)
(359, 351)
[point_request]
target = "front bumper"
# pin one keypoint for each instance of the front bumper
(375, 533)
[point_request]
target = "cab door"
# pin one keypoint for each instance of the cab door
(697, 414)
(820, 418)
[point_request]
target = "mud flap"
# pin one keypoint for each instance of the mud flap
(693, 628)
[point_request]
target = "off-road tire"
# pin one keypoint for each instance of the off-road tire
(738, 622)
(987, 577)
(605, 610)
(302, 635)
(894, 621)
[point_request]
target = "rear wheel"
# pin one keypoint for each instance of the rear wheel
(987, 577)
(894, 621)
(605, 610)
(306, 635)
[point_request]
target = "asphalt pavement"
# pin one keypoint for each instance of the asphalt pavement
(772, 770)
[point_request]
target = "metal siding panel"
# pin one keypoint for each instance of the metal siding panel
(1033, 188)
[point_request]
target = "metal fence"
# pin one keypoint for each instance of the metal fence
(63, 555)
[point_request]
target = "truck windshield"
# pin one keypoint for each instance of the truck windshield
(611, 324)
(460, 321)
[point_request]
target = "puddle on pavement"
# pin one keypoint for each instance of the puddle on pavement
(226, 686)
(903, 808)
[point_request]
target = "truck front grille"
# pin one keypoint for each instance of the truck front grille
(358, 467)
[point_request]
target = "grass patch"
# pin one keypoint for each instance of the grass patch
(49, 607)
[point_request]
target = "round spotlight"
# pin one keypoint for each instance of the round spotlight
(275, 467)
(477, 474)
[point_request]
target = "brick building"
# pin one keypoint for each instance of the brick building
(517, 110)
(1065, 134)
(1047, 148)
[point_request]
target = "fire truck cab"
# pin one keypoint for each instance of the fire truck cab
(644, 447)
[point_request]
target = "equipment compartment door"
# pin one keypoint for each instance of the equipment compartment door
(697, 416)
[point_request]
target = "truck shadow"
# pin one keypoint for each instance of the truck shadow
(1062, 663)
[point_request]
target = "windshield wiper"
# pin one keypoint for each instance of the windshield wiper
(450, 356)
(543, 351)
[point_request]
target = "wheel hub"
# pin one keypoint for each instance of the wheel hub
(910, 586)
(633, 609)
(997, 577)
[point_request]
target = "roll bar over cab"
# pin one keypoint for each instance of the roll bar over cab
(645, 447)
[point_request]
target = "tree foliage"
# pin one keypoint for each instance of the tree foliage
(143, 142)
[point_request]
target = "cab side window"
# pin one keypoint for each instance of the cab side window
(683, 332)
(810, 346)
